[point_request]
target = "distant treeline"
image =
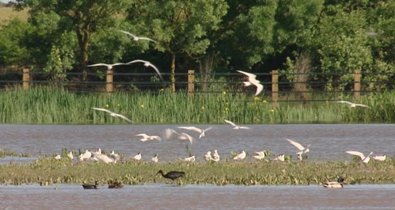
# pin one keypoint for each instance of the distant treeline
(302, 38)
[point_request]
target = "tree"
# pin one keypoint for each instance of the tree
(84, 17)
(342, 44)
(12, 50)
(179, 27)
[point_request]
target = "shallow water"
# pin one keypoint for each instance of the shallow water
(161, 196)
(328, 141)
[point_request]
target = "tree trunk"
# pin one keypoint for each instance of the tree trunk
(83, 42)
(173, 73)
(302, 70)
(205, 69)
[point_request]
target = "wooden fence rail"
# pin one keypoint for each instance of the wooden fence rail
(190, 84)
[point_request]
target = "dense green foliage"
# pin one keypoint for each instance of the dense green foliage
(52, 105)
(297, 36)
(50, 171)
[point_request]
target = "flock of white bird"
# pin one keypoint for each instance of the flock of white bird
(210, 156)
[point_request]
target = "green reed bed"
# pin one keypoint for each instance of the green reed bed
(46, 171)
(51, 105)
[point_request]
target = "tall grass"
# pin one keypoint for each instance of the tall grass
(50, 105)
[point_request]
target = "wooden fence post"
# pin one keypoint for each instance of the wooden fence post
(191, 82)
(26, 78)
(109, 81)
(357, 84)
(274, 88)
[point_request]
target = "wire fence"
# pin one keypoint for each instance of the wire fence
(278, 86)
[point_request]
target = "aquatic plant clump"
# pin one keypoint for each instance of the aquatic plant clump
(47, 171)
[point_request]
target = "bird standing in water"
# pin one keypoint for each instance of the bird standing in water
(336, 184)
(90, 186)
(173, 175)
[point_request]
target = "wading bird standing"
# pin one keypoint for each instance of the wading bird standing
(137, 38)
(147, 64)
(365, 159)
(173, 175)
(253, 81)
(302, 150)
(112, 114)
(352, 105)
(236, 127)
(146, 137)
(201, 131)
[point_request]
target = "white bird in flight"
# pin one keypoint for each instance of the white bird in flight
(182, 136)
(236, 127)
(353, 105)
(365, 159)
(252, 81)
(201, 131)
(137, 38)
(146, 137)
(109, 66)
(147, 64)
(301, 148)
(113, 114)
(241, 156)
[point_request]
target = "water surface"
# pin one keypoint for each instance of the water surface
(328, 141)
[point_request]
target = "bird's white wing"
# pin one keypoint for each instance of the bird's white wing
(362, 105)
(122, 116)
(104, 110)
(191, 128)
(259, 89)
(136, 61)
(143, 135)
(250, 76)
(230, 122)
(146, 38)
(128, 33)
(185, 136)
(99, 64)
(345, 102)
(360, 154)
(296, 144)
(156, 69)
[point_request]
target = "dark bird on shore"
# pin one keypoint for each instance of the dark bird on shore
(173, 175)
(114, 185)
(90, 186)
(336, 184)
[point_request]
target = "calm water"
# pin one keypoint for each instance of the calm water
(359, 197)
(328, 142)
